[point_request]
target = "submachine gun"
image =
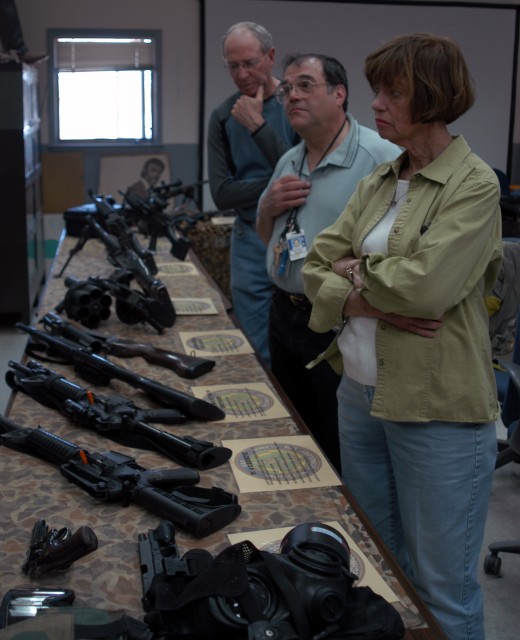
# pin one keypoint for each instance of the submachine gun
(183, 365)
(114, 477)
(114, 416)
(99, 371)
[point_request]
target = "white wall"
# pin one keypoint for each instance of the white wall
(295, 25)
(350, 31)
(179, 22)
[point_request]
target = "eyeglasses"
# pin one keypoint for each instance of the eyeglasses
(247, 65)
(303, 87)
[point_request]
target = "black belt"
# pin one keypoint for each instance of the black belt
(298, 300)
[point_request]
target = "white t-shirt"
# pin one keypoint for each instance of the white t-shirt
(357, 341)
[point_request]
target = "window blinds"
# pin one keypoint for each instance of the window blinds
(104, 54)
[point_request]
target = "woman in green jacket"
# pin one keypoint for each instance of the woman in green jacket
(403, 272)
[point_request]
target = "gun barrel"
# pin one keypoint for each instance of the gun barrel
(60, 327)
(195, 407)
(111, 243)
(39, 442)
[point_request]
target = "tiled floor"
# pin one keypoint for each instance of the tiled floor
(500, 594)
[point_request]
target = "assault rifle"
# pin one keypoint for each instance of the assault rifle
(113, 416)
(112, 477)
(56, 549)
(184, 365)
(151, 219)
(88, 301)
(99, 370)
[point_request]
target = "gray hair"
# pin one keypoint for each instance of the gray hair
(261, 34)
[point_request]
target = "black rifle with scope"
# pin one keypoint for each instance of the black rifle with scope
(182, 364)
(114, 416)
(99, 371)
(114, 477)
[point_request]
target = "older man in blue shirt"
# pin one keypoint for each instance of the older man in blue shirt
(247, 135)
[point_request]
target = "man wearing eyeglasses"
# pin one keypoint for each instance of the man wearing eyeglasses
(247, 135)
(309, 188)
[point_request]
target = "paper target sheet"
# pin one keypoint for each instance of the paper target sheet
(224, 342)
(243, 402)
(177, 269)
(194, 306)
(279, 463)
(368, 576)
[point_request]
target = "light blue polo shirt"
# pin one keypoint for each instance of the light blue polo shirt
(333, 182)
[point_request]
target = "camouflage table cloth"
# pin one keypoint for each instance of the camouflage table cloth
(110, 577)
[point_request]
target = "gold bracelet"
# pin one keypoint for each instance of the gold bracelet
(350, 273)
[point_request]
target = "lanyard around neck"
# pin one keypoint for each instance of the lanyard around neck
(292, 223)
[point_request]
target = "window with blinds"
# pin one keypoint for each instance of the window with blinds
(105, 87)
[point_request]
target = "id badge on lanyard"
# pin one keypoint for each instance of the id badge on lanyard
(290, 248)
(296, 245)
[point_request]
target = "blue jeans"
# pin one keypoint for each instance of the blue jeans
(251, 287)
(425, 487)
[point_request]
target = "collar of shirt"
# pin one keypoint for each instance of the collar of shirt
(441, 169)
(342, 156)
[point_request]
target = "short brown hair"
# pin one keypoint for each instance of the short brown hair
(433, 70)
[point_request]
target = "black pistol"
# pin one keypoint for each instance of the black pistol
(56, 549)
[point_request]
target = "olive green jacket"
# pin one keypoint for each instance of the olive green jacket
(444, 253)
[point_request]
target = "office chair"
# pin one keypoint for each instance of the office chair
(509, 206)
(509, 449)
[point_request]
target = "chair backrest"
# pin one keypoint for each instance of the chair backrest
(505, 188)
(511, 402)
(506, 292)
